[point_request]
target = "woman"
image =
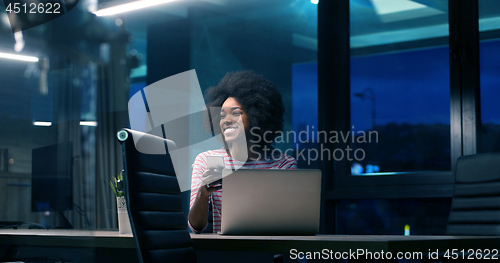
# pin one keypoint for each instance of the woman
(251, 114)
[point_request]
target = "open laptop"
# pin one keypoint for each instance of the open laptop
(271, 202)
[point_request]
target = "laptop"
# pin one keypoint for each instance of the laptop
(271, 202)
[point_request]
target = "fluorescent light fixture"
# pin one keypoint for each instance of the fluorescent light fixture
(88, 123)
(397, 10)
(384, 7)
(315, 2)
(18, 57)
(42, 123)
(305, 42)
(398, 36)
(129, 7)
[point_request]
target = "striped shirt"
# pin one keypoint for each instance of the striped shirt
(277, 161)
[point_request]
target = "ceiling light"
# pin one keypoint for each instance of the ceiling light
(18, 57)
(129, 7)
(42, 123)
(88, 123)
(383, 7)
(398, 10)
(314, 2)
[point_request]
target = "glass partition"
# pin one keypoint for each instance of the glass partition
(400, 91)
(87, 67)
(489, 46)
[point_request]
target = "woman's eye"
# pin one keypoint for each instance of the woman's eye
(236, 113)
(222, 116)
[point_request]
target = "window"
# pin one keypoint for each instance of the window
(400, 91)
(489, 133)
(466, 134)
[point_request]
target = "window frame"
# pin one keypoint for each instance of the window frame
(334, 56)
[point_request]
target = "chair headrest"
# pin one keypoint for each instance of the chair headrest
(477, 168)
(146, 143)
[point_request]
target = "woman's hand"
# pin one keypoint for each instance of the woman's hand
(211, 182)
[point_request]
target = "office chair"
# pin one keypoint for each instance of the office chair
(475, 207)
(153, 199)
(476, 199)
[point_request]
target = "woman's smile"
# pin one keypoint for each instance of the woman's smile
(230, 130)
(233, 120)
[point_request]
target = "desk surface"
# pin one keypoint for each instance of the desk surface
(112, 239)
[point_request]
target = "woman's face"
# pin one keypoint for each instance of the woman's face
(233, 120)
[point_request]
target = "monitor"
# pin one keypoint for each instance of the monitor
(52, 178)
(271, 201)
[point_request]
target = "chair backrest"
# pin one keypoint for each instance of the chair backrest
(475, 208)
(154, 202)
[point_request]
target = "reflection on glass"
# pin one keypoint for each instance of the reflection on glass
(88, 67)
(390, 216)
(489, 47)
(400, 86)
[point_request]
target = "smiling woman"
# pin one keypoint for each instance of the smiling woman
(244, 100)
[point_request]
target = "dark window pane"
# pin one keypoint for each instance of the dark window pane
(427, 216)
(400, 92)
(489, 47)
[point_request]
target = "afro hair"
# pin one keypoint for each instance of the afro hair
(259, 98)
